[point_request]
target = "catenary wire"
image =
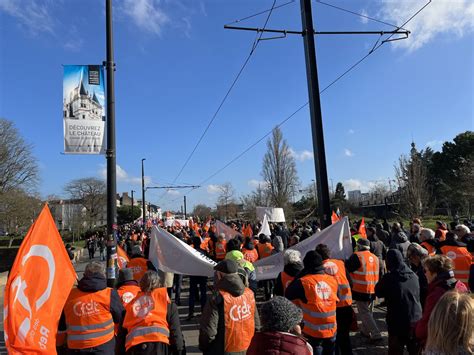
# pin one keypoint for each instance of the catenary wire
(261, 12)
(352, 67)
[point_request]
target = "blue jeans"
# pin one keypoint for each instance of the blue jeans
(323, 346)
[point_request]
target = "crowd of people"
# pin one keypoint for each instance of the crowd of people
(422, 277)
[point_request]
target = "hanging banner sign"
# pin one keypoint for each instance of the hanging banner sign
(84, 109)
(274, 214)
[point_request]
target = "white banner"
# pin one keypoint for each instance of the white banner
(265, 229)
(224, 228)
(337, 237)
(273, 214)
(170, 254)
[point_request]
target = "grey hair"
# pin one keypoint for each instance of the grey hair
(278, 243)
(426, 234)
(150, 281)
(416, 250)
(94, 267)
(292, 257)
(463, 227)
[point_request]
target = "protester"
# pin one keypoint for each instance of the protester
(127, 286)
(458, 253)
(221, 332)
(441, 230)
(451, 326)
(400, 242)
(220, 248)
(234, 253)
(70, 251)
(400, 289)
(292, 266)
(101, 246)
(151, 324)
(427, 237)
(90, 326)
(197, 284)
(382, 234)
(440, 276)
(91, 247)
(249, 251)
(138, 263)
(416, 254)
(281, 331)
(377, 248)
(277, 244)
(315, 293)
(264, 247)
(363, 267)
(344, 312)
(415, 233)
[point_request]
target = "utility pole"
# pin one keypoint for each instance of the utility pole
(143, 192)
(185, 207)
(132, 203)
(110, 153)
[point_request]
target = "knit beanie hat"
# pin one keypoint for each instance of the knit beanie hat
(279, 315)
(312, 260)
(363, 243)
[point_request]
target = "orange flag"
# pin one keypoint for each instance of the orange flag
(334, 218)
(122, 258)
(37, 288)
(362, 231)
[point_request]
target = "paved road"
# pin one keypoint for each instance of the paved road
(191, 328)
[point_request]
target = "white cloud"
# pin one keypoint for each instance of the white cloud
(348, 152)
(351, 131)
(122, 176)
(454, 17)
(301, 156)
(434, 144)
(172, 192)
(256, 183)
(213, 189)
(146, 14)
(33, 15)
(355, 184)
(364, 20)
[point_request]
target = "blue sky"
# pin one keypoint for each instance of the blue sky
(175, 63)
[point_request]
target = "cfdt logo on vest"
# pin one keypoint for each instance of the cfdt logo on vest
(323, 290)
(238, 312)
(85, 309)
(142, 306)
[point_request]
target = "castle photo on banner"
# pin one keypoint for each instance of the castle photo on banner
(84, 109)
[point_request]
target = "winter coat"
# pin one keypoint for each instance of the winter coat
(422, 281)
(442, 283)
(384, 236)
(400, 242)
(291, 270)
(401, 291)
(212, 326)
(353, 264)
(278, 343)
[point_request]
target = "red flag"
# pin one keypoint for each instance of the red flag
(362, 231)
(37, 289)
(334, 218)
(122, 259)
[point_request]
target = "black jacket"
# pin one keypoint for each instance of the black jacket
(401, 291)
(401, 243)
(290, 269)
(422, 281)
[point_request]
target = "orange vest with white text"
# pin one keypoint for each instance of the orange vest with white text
(250, 255)
(431, 249)
(221, 250)
(286, 280)
(462, 261)
(239, 321)
(337, 269)
(139, 267)
(127, 293)
(145, 318)
(88, 318)
(319, 314)
(264, 250)
(367, 275)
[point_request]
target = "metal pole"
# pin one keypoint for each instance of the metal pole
(132, 203)
(316, 115)
(110, 154)
(184, 207)
(143, 192)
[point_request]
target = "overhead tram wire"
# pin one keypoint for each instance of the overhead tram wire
(261, 12)
(252, 51)
(352, 67)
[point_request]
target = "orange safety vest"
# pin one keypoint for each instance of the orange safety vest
(88, 318)
(337, 269)
(443, 232)
(367, 275)
(319, 314)
(462, 261)
(286, 280)
(250, 255)
(139, 267)
(264, 250)
(431, 249)
(205, 244)
(239, 320)
(127, 293)
(145, 318)
(221, 250)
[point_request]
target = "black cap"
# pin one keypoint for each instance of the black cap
(227, 266)
(363, 242)
(312, 260)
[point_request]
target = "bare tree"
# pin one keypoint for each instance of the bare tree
(226, 197)
(412, 178)
(259, 197)
(91, 192)
(279, 170)
(202, 211)
(18, 168)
